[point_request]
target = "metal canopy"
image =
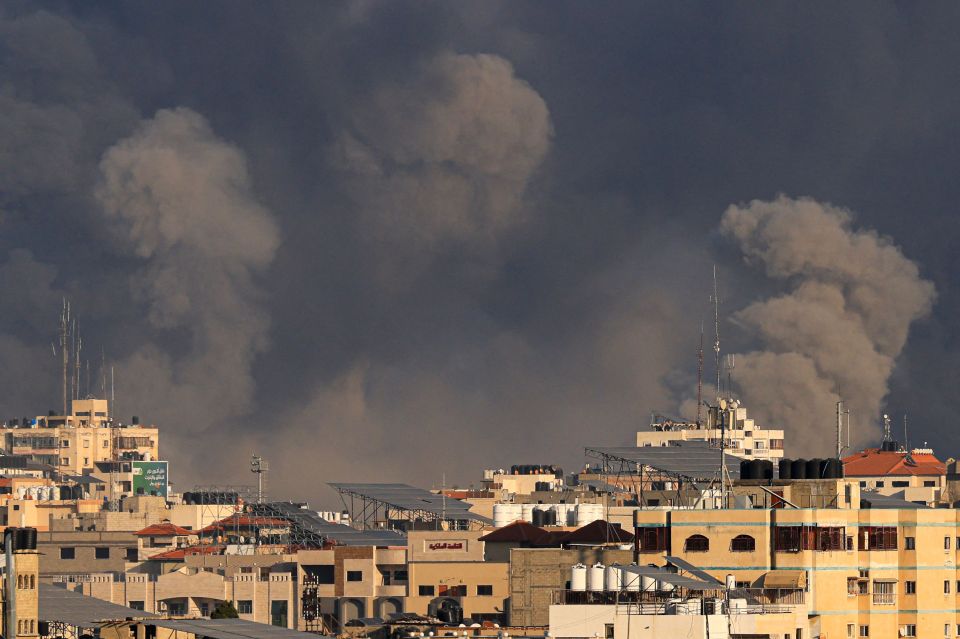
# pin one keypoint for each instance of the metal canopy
(229, 629)
(71, 608)
(692, 459)
(876, 500)
(686, 566)
(410, 499)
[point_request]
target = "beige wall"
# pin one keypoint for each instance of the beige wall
(446, 575)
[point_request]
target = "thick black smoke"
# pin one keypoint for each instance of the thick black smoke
(392, 241)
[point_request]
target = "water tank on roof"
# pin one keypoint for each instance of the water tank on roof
(595, 577)
(550, 517)
(746, 469)
(526, 512)
(785, 467)
(613, 578)
(766, 469)
(799, 468)
(630, 580)
(578, 578)
(813, 468)
(538, 518)
(648, 584)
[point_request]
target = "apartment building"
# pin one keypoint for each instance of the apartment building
(914, 475)
(73, 444)
(877, 572)
(744, 438)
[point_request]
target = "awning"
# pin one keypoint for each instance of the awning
(792, 579)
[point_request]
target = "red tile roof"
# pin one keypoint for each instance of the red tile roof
(246, 521)
(180, 553)
(874, 462)
(597, 533)
(165, 529)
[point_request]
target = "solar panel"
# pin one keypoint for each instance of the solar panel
(696, 460)
(405, 497)
(74, 609)
(309, 522)
(229, 629)
(671, 578)
(686, 566)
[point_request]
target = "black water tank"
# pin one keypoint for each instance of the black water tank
(538, 518)
(813, 468)
(746, 469)
(135, 421)
(834, 468)
(799, 468)
(30, 538)
(550, 517)
(767, 467)
(824, 469)
(786, 469)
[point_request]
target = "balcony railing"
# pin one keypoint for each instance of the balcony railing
(885, 598)
(742, 600)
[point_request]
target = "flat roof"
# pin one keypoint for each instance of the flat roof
(692, 459)
(229, 629)
(74, 609)
(411, 498)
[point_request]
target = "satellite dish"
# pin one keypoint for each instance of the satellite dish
(723, 404)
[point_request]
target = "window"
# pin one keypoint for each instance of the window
(136, 605)
(863, 587)
(797, 538)
(864, 631)
(67, 553)
(852, 587)
(484, 591)
(883, 592)
(946, 543)
(101, 552)
(759, 444)
(851, 630)
(929, 484)
(65, 443)
(910, 587)
(696, 543)
(900, 484)
(654, 538)
(460, 590)
(354, 575)
(946, 586)
(878, 538)
(278, 613)
(910, 543)
(849, 542)
(879, 484)
(400, 575)
(132, 554)
(245, 606)
(863, 484)
(608, 630)
(106, 444)
(426, 591)
(64, 461)
(909, 630)
(177, 608)
(86, 443)
(743, 543)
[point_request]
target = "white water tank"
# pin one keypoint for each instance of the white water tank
(675, 607)
(629, 580)
(505, 514)
(588, 513)
(648, 584)
(578, 578)
(526, 512)
(21, 492)
(737, 604)
(614, 578)
(731, 582)
(54, 492)
(595, 574)
(664, 586)
(694, 606)
(562, 514)
(32, 492)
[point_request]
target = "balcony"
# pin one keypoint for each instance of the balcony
(884, 598)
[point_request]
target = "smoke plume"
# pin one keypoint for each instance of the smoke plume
(182, 207)
(839, 329)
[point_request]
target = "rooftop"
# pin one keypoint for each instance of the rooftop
(874, 462)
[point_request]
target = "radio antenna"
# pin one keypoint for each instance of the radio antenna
(716, 329)
(700, 375)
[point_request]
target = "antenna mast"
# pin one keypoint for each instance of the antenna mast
(65, 346)
(716, 329)
(721, 405)
(886, 428)
(840, 414)
(700, 375)
(906, 440)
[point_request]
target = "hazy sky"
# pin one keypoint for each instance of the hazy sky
(387, 241)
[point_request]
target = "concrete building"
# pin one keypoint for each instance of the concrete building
(916, 475)
(73, 444)
(744, 438)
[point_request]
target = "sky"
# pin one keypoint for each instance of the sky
(407, 241)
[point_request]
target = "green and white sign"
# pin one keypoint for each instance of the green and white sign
(150, 478)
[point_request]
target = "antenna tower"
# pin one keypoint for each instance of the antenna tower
(886, 428)
(700, 376)
(259, 466)
(721, 404)
(840, 415)
(716, 329)
(64, 336)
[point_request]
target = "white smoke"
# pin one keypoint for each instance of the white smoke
(182, 205)
(839, 329)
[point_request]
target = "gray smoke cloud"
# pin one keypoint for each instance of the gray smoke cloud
(180, 203)
(839, 329)
(442, 158)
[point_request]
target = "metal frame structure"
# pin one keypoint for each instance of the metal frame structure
(692, 462)
(222, 501)
(403, 507)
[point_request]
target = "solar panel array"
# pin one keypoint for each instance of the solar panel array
(686, 566)
(411, 498)
(671, 578)
(696, 460)
(74, 609)
(314, 528)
